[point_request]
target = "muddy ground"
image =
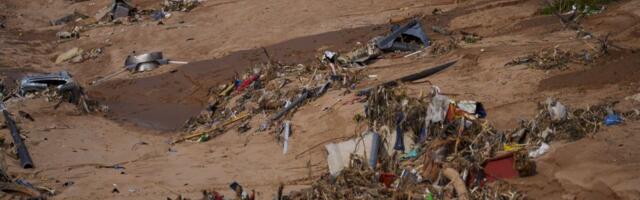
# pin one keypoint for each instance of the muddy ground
(221, 38)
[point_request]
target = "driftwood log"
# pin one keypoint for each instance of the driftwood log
(411, 77)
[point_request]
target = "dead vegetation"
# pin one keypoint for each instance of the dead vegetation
(557, 58)
(452, 148)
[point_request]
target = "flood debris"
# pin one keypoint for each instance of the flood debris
(441, 30)
(147, 61)
(286, 132)
(144, 62)
(61, 81)
(470, 37)
(211, 195)
(440, 47)
(21, 147)
(269, 89)
(433, 146)
(241, 193)
(60, 87)
(556, 58)
(121, 8)
(411, 77)
(339, 154)
(180, 5)
(612, 118)
(25, 115)
(68, 35)
(406, 38)
(399, 38)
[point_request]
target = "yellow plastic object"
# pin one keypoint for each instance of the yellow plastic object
(513, 147)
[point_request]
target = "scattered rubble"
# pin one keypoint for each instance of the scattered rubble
(121, 8)
(440, 47)
(58, 87)
(180, 5)
(444, 149)
(425, 147)
(409, 37)
(555, 58)
(470, 37)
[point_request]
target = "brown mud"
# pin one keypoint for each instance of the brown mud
(166, 101)
(619, 67)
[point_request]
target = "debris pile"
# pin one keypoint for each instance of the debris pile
(433, 147)
(406, 38)
(180, 5)
(276, 90)
(557, 58)
(545, 59)
(270, 89)
(452, 41)
(439, 47)
(556, 122)
(58, 87)
(470, 37)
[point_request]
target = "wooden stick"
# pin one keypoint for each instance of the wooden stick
(231, 121)
(458, 184)
(10, 187)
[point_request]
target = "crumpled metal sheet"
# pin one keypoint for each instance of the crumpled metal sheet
(413, 28)
(145, 62)
(121, 8)
(34, 83)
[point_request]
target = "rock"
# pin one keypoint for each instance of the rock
(635, 97)
(71, 54)
(76, 59)
(64, 35)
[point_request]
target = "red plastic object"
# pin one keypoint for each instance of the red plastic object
(500, 168)
(387, 179)
(247, 82)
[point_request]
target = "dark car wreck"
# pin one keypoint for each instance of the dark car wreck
(61, 81)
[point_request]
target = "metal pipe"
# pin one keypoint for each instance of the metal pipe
(21, 148)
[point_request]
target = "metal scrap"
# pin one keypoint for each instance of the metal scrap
(121, 8)
(145, 62)
(58, 86)
(61, 81)
(21, 147)
(393, 41)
